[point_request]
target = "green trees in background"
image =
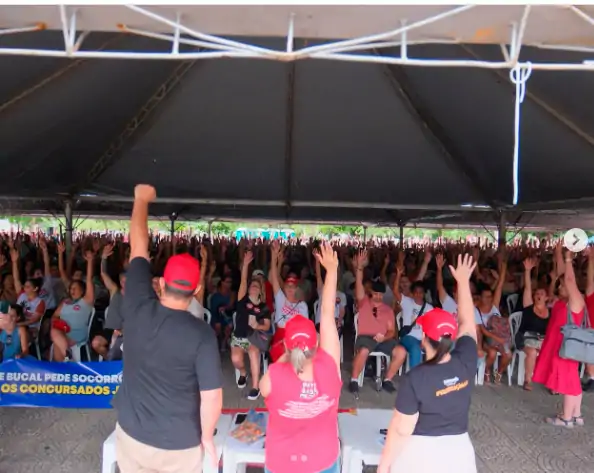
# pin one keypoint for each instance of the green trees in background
(229, 228)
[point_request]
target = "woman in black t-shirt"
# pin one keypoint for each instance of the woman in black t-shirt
(430, 421)
(252, 322)
(535, 318)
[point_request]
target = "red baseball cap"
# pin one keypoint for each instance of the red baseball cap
(182, 272)
(438, 322)
(300, 332)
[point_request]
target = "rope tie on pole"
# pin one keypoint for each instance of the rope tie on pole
(519, 76)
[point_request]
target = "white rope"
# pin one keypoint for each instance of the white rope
(519, 76)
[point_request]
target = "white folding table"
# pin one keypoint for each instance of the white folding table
(360, 435)
(237, 455)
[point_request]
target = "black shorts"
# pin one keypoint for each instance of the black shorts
(366, 341)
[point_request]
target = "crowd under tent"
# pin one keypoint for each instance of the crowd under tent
(393, 115)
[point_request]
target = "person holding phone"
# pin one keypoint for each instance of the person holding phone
(431, 412)
(302, 389)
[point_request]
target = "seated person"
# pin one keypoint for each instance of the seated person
(375, 330)
(252, 321)
(221, 309)
(14, 339)
(112, 328)
(76, 313)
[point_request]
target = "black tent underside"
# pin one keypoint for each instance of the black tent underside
(412, 144)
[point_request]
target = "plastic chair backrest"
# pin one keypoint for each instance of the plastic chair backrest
(207, 316)
(515, 320)
(512, 301)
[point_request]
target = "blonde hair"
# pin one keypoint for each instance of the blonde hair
(299, 358)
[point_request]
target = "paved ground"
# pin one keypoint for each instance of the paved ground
(506, 427)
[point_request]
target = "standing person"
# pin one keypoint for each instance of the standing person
(558, 374)
(302, 390)
(430, 420)
(171, 393)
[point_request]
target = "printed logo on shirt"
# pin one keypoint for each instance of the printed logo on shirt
(76, 307)
(309, 390)
(452, 385)
(307, 410)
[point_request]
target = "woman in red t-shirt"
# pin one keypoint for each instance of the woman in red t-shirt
(302, 389)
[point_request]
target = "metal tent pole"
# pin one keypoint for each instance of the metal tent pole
(501, 231)
(401, 241)
(68, 212)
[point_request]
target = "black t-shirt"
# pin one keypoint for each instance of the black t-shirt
(532, 322)
(170, 357)
(440, 393)
(244, 309)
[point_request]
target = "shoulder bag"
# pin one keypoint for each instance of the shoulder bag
(578, 342)
(405, 330)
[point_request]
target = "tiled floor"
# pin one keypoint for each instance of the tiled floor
(506, 427)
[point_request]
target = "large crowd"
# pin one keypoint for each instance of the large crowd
(419, 310)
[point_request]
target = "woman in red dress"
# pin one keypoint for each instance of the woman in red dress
(558, 374)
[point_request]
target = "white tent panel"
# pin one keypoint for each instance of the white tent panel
(550, 24)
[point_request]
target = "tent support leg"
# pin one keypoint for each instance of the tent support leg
(401, 237)
(68, 215)
(501, 231)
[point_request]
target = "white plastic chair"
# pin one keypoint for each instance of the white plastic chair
(376, 354)
(515, 319)
(512, 301)
(480, 372)
(76, 349)
(208, 316)
(316, 305)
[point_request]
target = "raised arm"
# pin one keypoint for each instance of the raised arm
(319, 281)
(500, 281)
(16, 271)
(576, 300)
(329, 341)
(139, 235)
(559, 262)
(462, 273)
(360, 263)
(63, 274)
(89, 296)
(426, 260)
(111, 286)
(46, 258)
(273, 274)
(248, 257)
(440, 261)
(199, 296)
(529, 263)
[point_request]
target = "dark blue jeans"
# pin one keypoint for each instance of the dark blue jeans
(413, 348)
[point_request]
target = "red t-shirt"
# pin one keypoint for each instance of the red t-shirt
(269, 296)
(302, 432)
(590, 308)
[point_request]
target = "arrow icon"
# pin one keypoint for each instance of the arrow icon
(575, 240)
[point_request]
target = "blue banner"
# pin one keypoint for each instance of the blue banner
(31, 383)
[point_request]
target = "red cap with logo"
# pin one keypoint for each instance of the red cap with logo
(300, 332)
(438, 322)
(182, 272)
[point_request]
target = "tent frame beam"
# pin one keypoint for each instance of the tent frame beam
(219, 47)
(126, 139)
(403, 88)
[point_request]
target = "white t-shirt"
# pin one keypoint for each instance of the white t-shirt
(285, 310)
(481, 319)
(340, 304)
(449, 305)
(196, 309)
(410, 311)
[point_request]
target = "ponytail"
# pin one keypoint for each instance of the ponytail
(441, 347)
(298, 359)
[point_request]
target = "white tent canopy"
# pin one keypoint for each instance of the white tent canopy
(339, 29)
